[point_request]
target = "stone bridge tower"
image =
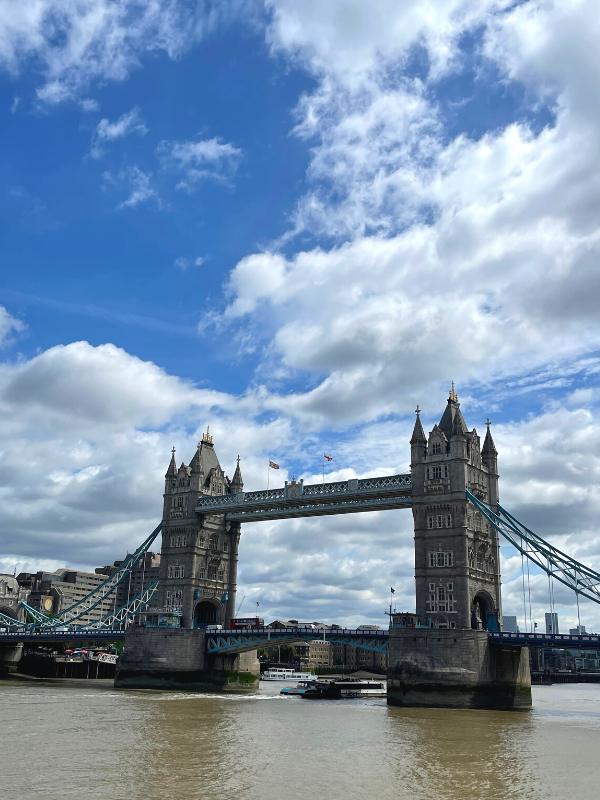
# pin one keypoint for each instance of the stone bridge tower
(457, 565)
(199, 554)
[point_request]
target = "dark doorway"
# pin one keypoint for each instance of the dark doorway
(205, 613)
(482, 610)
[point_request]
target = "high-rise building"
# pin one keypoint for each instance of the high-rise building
(509, 624)
(54, 592)
(551, 622)
(143, 572)
(457, 567)
(578, 631)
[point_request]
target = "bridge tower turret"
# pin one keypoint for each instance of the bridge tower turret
(196, 554)
(457, 567)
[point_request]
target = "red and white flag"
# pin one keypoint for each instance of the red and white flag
(327, 457)
(273, 465)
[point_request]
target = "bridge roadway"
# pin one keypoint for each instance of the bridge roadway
(239, 641)
(296, 499)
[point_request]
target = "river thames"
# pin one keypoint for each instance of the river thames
(84, 739)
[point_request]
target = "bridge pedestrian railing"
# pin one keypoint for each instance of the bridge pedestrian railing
(297, 499)
(239, 641)
(588, 641)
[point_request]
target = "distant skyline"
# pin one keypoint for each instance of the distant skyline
(293, 221)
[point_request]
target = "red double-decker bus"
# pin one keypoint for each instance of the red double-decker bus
(247, 622)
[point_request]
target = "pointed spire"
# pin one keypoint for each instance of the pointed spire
(237, 483)
(489, 448)
(195, 462)
(172, 470)
(418, 435)
(459, 426)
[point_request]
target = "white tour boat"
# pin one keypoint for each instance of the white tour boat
(285, 674)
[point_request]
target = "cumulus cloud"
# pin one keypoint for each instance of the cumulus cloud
(352, 39)
(107, 131)
(9, 327)
(75, 44)
(473, 258)
(199, 160)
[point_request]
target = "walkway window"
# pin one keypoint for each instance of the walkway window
(441, 558)
(175, 571)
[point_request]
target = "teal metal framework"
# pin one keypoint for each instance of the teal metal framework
(91, 600)
(239, 641)
(320, 499)
(581, 579)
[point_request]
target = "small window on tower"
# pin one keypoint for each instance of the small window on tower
(436, 449)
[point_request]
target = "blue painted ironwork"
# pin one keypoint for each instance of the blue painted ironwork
(33, 613)
(298, 500)
(239, 641)
(9, 622)
(125, 615)
(101, 592)
(581, 579)
(49, 635)
(589, 641)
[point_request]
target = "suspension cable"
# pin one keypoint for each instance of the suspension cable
(523, 581)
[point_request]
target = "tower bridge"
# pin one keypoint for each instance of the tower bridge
(455, 653)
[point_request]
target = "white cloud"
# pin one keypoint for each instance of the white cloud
(137, 183)
(184, 263)
(198, 160)
(351, 39)
(77, 43)
(89, 104)
(9, 327)
(107, 131)
(468, 258)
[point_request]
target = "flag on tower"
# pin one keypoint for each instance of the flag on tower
(327, 457)
(273, 465)
(392, 590)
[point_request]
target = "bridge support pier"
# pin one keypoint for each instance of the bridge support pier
(162, 658)
(456, 669)
(9, 658)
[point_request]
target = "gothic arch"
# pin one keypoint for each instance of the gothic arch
(482, 608)
(206, 612)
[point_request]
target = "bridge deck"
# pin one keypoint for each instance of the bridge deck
(239, 641)
(589, 641)
(297, 500)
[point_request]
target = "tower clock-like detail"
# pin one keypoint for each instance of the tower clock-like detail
(457, 567)
(199, 553)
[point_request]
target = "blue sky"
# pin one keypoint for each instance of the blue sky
(294, 221)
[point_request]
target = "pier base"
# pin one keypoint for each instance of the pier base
(156, 658)
(9, 658)
(456, 669)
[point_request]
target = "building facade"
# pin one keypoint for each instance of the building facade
(199, 553)
(457, 566)
(143, 572)
(54, 592)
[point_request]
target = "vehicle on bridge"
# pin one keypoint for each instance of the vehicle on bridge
(247, 622)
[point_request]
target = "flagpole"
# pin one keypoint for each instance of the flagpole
(268, 473)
